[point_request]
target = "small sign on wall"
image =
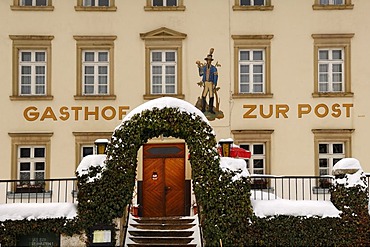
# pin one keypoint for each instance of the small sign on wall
(48, 239)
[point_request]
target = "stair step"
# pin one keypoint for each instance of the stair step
(159, 226)
(162, 240)
(166, 245)
(161, 233)
(171, 220)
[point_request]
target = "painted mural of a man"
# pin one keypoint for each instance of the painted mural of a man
(209, 75)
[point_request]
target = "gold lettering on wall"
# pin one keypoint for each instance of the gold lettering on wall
(76, 113)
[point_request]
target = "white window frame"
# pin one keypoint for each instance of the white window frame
(163, 64)
(251, 63)
(252, 3)
(33, 64)
(332, 2)
(94, 3)
(96, 64)
(331, 74)
(32, 160)
(34, 3)
(330, 156)
(250, 161)
(165, 4)
(87, 146)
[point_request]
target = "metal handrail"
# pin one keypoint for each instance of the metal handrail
(38, 190)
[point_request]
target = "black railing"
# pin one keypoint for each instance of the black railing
(269, 187)
(61, 190)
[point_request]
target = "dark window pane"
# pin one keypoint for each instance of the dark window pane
(258, 163)
(323, 148)
(25, 166)
(41, 2)
(245, 146)
(258, 149)
(104, 3)
(338, 148)
(40, 166)
(323, 163)
(27, 2)
(171, 2)
(335, 161)
(157, 2)
(39, 152)
(25, 153)
(245, 2)
(87, 151)
(259, 2)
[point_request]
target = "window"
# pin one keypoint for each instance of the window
(163, 71)
(31, 164)
(256, 163)
(32, 5)
(164, 5)
(85, 143)
(95, 67)
(31, 67)
(252, 5)
(258, 142)
(95, 5)
(331, 145)
(332, 65)
(163, 66)
(252, 57)
(251, 71)
(332, 4)
(30, 159)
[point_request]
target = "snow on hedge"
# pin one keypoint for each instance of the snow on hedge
(33, 211)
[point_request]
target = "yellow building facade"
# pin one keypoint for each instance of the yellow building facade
(292, 77)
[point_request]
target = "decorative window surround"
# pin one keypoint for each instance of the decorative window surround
(256, 136)
(245, 42)
(81, 7)
(332, 135)
(149, 6)
(163, 39)
(93, 43)
(346, 6)
(30, 139)
(329, 41)
(34, 43)
(17, 5)
(267, 7)
(87, 138)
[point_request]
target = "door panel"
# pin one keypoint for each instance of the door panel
(165, 194)
(175, 184)
(153, 190)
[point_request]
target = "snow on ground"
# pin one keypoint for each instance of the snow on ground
(32, 211)
(307, 208)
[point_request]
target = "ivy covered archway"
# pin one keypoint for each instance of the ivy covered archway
(215, 193)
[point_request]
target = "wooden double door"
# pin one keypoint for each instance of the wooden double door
(163, 180)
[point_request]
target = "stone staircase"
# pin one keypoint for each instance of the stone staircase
(169, 231)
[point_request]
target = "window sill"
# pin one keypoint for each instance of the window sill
(81, 8)
(33, 97)
(26, 195)
(164, 8)
(95, 97)
(319, 190)
(332, 7)
(156, 96)
(333, 95)
(253, 8)
(32, 8)
(252, 95)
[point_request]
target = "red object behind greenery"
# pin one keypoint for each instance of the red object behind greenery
(237, 152)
